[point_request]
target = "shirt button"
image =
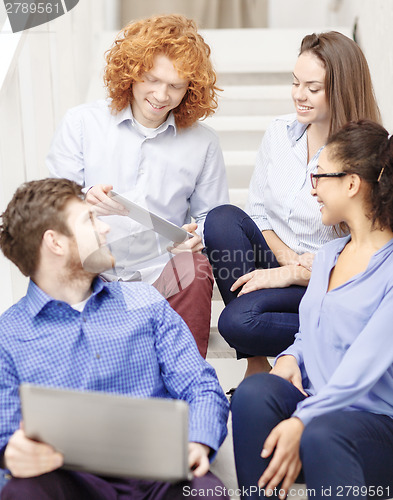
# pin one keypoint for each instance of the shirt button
(84, 319)
(98, 355)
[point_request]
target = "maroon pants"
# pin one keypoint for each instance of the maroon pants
(70, 485)
(187, 283)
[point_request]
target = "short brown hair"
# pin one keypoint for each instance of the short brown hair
(35, 207)
(348, 86)
(176, 37)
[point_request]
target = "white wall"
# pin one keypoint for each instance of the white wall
(374, 34)
(43, 72)
(208, 14)
(309, 14)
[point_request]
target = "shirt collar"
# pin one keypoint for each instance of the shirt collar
(296, 131)
(37, 299)
(126, 114)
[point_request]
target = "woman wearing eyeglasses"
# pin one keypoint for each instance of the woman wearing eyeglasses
(327, 405)
(262, 259)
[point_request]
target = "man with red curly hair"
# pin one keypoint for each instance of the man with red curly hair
(146, 142)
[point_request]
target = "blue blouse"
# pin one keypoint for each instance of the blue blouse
(344, 346)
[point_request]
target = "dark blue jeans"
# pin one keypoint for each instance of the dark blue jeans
(260, 323)
(347, 453)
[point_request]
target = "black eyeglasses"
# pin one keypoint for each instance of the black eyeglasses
(315, 177)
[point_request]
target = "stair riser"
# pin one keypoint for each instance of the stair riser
(239, 177)
(254, 107)
(279, 78)
(231, 140)
(238, 197)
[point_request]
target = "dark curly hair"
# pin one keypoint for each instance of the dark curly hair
(35, 207)
(176, 37)
(366, 149)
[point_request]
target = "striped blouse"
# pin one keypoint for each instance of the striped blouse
(279, 195)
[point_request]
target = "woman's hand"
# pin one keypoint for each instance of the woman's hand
(285, 464)
(306, 260)
(286, 367)
(276, 277)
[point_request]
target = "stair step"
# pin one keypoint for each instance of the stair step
(255, 100)
(262, 92)
(239, 133)
(232, 140)
(218, 347)
(216, 293)
(239, 167)
(253, 49)
(239, 123)
(238, 197)
(239, 158)
(254, 78)
(239, 177)
(217, 308)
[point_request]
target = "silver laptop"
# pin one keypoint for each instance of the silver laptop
(151, 220)
(111, 435)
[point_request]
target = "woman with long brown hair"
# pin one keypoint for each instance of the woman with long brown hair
(262, 259)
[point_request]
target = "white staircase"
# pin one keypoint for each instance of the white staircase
(254, 71)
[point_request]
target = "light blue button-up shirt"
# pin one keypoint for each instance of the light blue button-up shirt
(175, 173)
(279, 195)
(344, 347)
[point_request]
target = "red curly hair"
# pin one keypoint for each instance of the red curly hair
(176, 37)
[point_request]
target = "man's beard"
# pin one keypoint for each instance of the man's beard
(96, 262)
(78, 272)
(74, 270)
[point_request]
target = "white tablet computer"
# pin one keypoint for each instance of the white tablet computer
(151, 220)
(110, 434)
